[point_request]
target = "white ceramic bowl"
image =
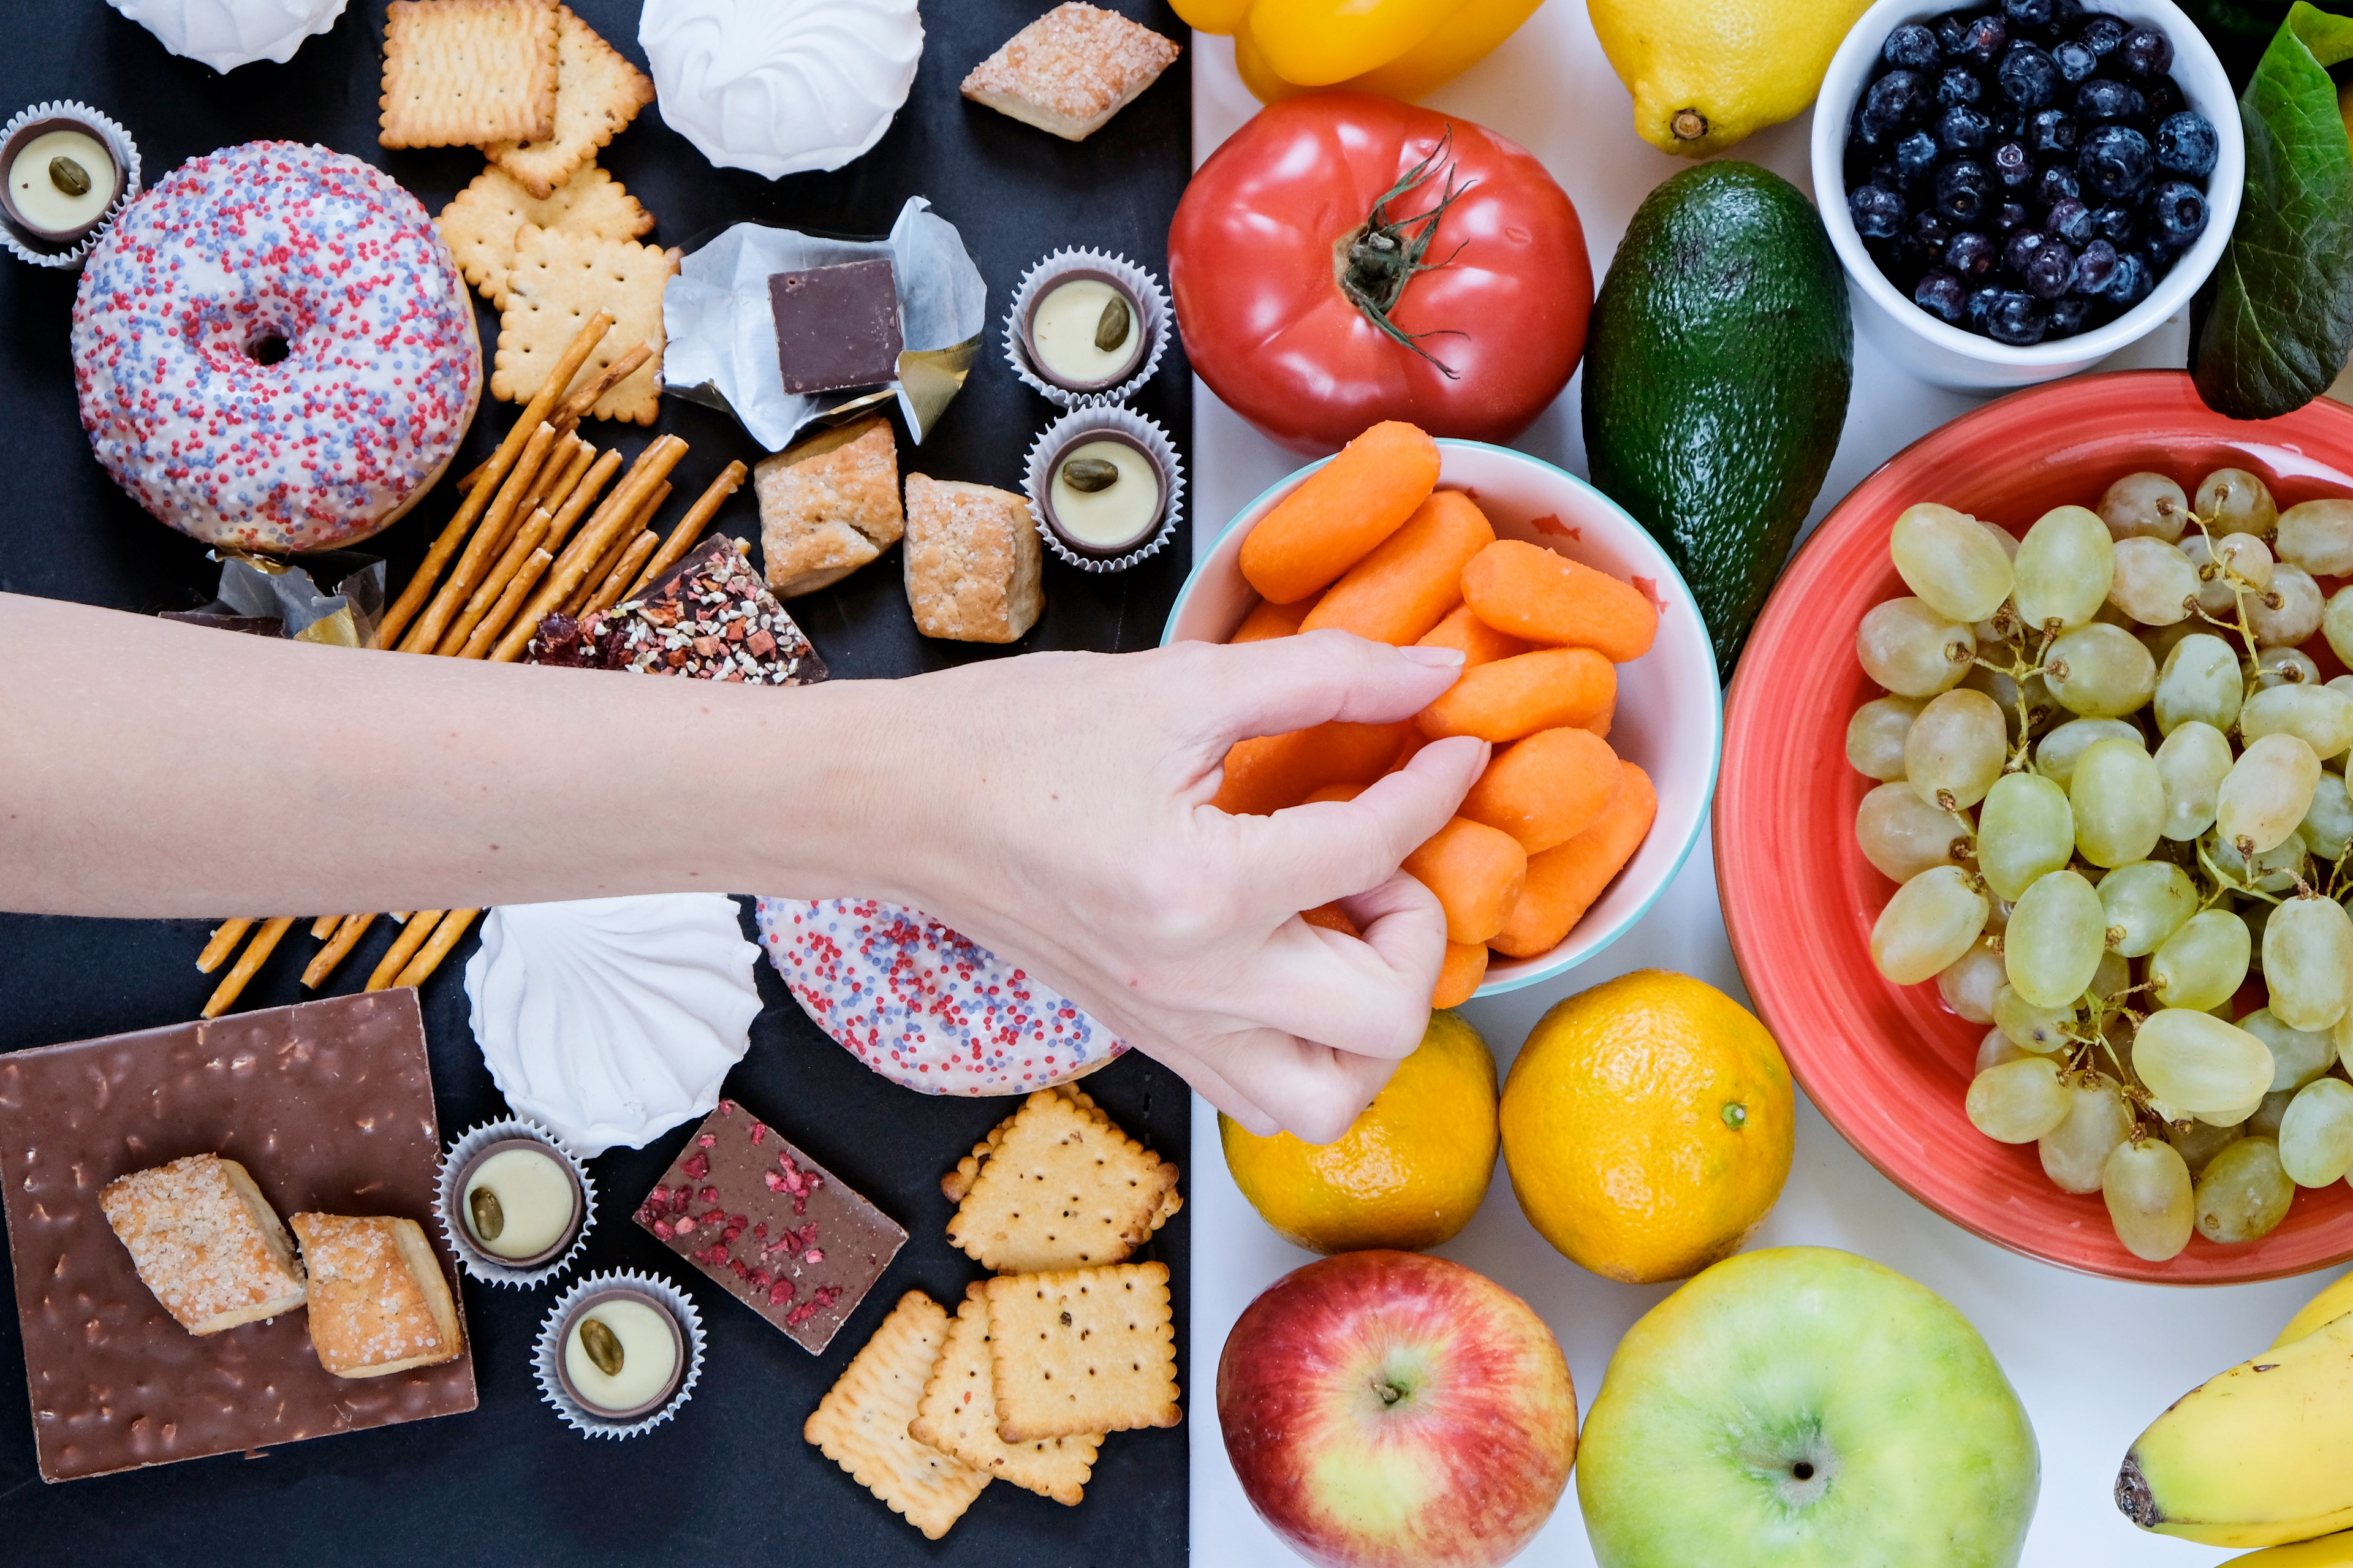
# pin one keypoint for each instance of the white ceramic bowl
(1670, 719)
(1949, 356)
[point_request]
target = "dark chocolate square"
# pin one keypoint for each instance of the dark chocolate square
(837, 326)
(770, 1224)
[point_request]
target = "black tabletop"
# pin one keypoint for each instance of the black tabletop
(731, 1478)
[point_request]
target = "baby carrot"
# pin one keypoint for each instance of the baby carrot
(1342, 510)
(1412, 578)
(1599, 722)
(1562, 883)
(1545, 790)
(1414, 741)
(1331, 917)
(1473, 639)
(1334, 792)
(1266, 775)
(1529, 592)
(1476, 871)
(1521, 695)
(1271, 621)
(1459, 976)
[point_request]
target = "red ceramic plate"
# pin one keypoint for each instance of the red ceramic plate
(1887, 1065)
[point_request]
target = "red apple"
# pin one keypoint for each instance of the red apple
(1389, 1410)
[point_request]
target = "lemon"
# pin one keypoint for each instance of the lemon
(1408, 1175)
(1646, 1126)
(1705, 73)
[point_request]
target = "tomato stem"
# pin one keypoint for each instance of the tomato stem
(1375, 262)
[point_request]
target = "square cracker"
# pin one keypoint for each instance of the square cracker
(481, 226)
(828, 505)
(1082, 1350)
(1063, 1188)
(861, 1422)
(958, 1182)
(463, 72)
(958, 1416)
(597, 92)
(558, 280)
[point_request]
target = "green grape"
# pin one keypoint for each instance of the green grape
(1912, 650)
(2191, 763)
(2341, 1036)
(2154, 584)
(2055, 754)
(2076, 1150)
(1875, 736)
(2147, 900)
(2056, 935)
(2284, 666)
(2264, 1118)
(2120, 803)
(2276, 870)
(2195, 1062)
(1948, 558)
(2018, 1101)
(2317, 535)
(2266, 793)
(2321, 717)
(2003, 538)
(2025, 828)
(2161, 641)
(2200, 683)
(1997, 915)
(2100, 672)
(2337, 624)
(2113, 975)
(2202, 964)
(2147, 1190)
(2216, 595)
(2199, 1142)
(2064, 567)
(1997, 1048)
(1956, 748)
(2257, 913)
(2315, 1133)
(2247, 558)
(2287, 612)
(1930, 921)
(1968, 982)
(2298, 1056)
(2235, 500)
(2308, 961)
(2242, 1116)
(2327, 825)
(2144, 506)
(2242, 1195)
(1903, 835)
(2027, 1027)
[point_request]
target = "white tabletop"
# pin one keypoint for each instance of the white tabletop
(2093, 1360)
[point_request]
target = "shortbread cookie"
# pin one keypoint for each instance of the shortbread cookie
(205, 1241)
(480, 227)
(1086, 1349)
(958, 1416)
(379, 1300)
(828, 505)
(558, 278)
(1071, 71)
(466, 72)
(597, 92)
(861, 1422)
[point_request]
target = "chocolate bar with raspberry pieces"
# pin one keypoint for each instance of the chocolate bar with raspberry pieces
(710, 617)
(771, 1225)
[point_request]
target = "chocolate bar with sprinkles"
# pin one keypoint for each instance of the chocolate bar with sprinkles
(710, 617)
(770, 1224)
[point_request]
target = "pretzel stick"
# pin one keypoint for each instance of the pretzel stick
(575, 468)
(494, 625)
(324, 927)
(256, 954)
(473, 476)
(612, 519)
(412, 936)
(335, 952)
(495, 582)
(595, 582)
(581, 502)
(641, 550)
(225, 940)
(470, 511)
(430, 627)
(689, 527)
(444, 937)
(577, 406)
(551, 470)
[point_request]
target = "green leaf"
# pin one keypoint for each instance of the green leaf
(2282, 321)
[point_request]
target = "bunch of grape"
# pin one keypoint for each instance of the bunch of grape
(2112, 785)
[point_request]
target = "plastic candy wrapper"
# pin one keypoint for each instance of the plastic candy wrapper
(270, 597)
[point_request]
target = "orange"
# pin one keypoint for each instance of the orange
(1408, 1175)
(1646, 1126)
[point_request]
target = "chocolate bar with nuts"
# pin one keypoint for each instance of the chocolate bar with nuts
(710, 617)
(770, 1224)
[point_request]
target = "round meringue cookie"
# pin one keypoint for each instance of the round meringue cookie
(227, 34)
(926, 1008)
(781, 87)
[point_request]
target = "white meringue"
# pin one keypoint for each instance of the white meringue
(612, 1020)
(781, 87)
(227, 34)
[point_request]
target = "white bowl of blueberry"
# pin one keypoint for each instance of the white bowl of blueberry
(2020, 188)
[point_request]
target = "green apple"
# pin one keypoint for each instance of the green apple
(1803, 1407)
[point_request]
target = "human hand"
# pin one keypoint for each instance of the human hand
(1055, 809)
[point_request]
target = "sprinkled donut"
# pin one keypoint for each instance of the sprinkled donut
(273, 348)
(924, 1007)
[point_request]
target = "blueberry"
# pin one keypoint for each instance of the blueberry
(1942, 295)
(1962, 189)
(2186, 144)
(1878, 213)
(1949, 29)
(2020, 249)
(2012, 164)
(1886, 176)
(2095, 268)
(2147, 52)
(2115, 162)
(2101, 35)
(2164, 98)
(2101, 100)
(2178, 214)
(2028, 78)
(2071, 220)
(1982, 42)
(2074, 61)
(2069, 316)
(2051, 131)
(2016, 319)
(1962, 130)
(2027, 13)
(1979, 310)
(1971, 254)
(2052, 272)
(1915, 156)
(2118, 224)
(2008, 216)
(1926, 239)
(1959, 84)
(1910, 45)
(2132, 282)
(2056, 183)
(1895, 102)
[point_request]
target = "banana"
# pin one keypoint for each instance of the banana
(2328, 1551)
(2256, 1455)
(2331, 1303)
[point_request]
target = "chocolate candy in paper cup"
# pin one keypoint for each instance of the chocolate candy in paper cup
(631, 1372)
(519, 1207)
(1135, 468)
(1099, 279)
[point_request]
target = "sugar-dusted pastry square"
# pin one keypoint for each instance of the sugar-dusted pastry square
(380, 1302)
(828, 505)
(205, 1241)
(975, 563)
(1072, 69)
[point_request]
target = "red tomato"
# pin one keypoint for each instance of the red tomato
(1296, 206)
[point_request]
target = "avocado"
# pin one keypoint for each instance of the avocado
(1716, 374)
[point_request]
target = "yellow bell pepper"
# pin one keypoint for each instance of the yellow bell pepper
(1399, 49)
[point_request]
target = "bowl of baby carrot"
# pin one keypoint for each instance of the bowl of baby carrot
(1586, 665)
